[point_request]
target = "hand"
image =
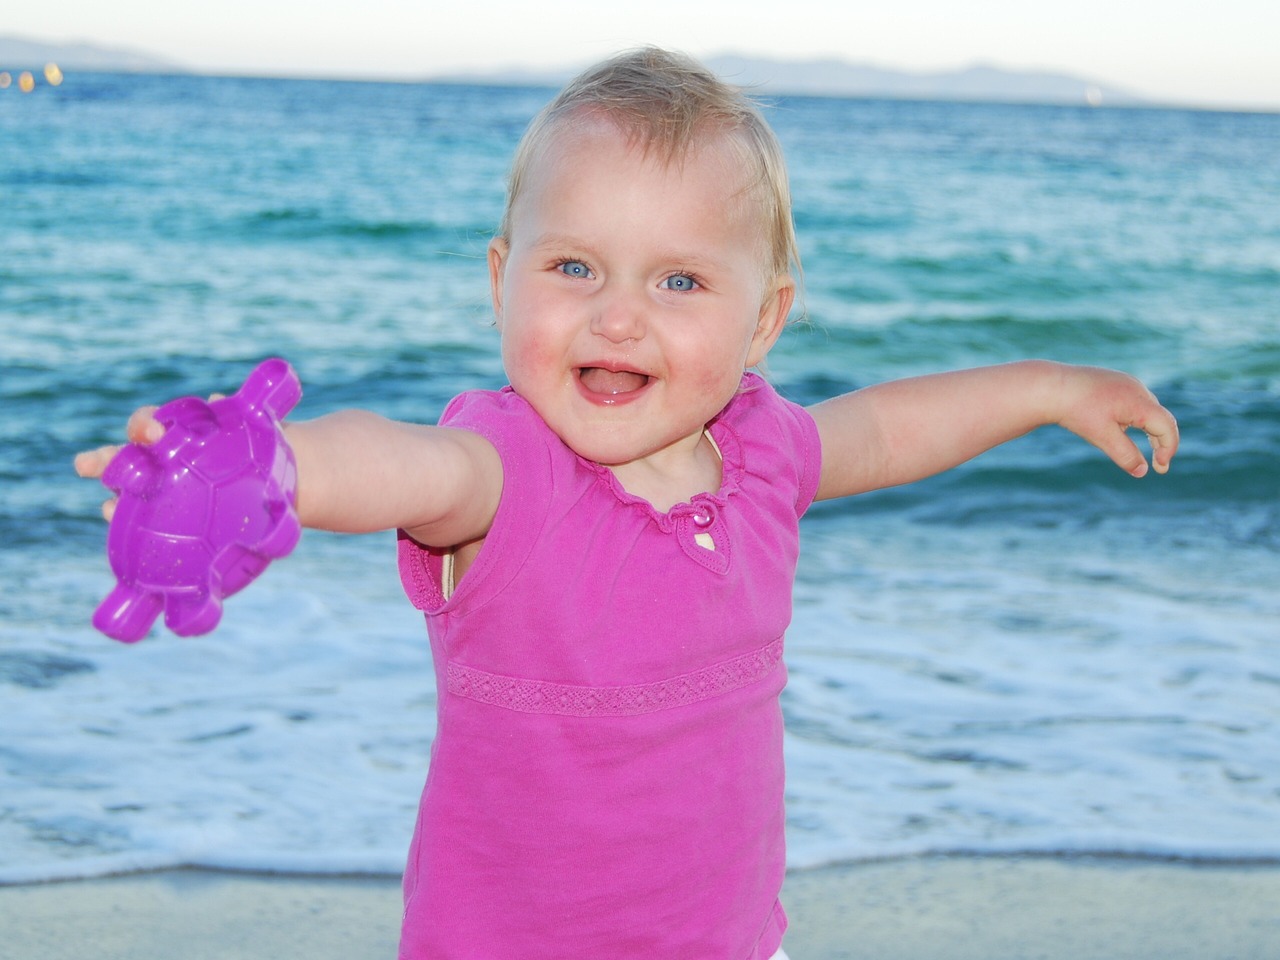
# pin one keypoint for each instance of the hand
(142, 428)
(1101, 406)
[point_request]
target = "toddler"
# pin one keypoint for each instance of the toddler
(604, 549)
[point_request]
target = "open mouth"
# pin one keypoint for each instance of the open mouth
(605, 383)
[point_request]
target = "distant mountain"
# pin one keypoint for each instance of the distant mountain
(19, 53)
(978, 82)
(840, 78)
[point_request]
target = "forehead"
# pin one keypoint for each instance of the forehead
(583, 154)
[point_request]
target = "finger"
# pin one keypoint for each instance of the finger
(1119, 446)
(1164, 444)
(1161, 453)
(109, 509)
(91, 463)
(143, 427)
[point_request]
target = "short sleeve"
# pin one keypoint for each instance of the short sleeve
(782, 438)
(521, 439)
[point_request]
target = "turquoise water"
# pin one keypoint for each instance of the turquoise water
(1033, 652)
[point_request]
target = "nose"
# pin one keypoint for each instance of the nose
(618, 316)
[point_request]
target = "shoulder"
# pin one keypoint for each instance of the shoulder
(535, 461)
(481, 408)
(759, 408)
(504, 418)
(779, 438)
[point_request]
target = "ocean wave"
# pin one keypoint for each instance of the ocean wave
(306, 224)
(800, 857)
(333, 864)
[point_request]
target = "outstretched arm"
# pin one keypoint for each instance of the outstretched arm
(359, 472)
(905, 430)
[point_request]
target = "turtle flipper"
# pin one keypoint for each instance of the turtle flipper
(273, 387)
(127, 613)
(191, 614)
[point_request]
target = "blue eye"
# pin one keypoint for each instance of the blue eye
(680, 282)
(576, 269)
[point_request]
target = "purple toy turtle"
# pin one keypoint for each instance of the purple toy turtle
(202, 511)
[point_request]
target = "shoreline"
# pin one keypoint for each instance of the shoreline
(963, 908)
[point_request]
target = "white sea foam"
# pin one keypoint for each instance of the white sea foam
(1037, 697)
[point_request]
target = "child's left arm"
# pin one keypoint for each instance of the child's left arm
(905, 430)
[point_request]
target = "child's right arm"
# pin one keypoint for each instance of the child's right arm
(359, 472)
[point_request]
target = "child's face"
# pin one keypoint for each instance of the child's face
(631, 294)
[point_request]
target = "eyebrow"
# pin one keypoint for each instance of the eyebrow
(699, 261)
(558, 240)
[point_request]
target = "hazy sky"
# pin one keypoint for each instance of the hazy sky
(1224, 52)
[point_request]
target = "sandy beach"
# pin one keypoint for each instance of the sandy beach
(958, 909)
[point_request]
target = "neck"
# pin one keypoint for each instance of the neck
(666, 481)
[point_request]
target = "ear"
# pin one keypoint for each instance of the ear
(498, 249)
(773, 317)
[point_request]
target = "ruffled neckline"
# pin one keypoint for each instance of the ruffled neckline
(700, 504)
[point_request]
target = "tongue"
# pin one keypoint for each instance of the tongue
(600, 380)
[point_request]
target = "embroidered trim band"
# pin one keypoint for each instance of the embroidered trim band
(540, 696)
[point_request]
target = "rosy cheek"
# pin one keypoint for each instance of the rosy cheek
(513, 359)
(525, 356)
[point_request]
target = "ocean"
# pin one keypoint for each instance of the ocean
(1031, 654)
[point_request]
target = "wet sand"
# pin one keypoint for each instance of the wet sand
(929, 909)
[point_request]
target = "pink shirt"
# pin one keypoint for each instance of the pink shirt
(606, 778)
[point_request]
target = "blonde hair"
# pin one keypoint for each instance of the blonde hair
(664, 102)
